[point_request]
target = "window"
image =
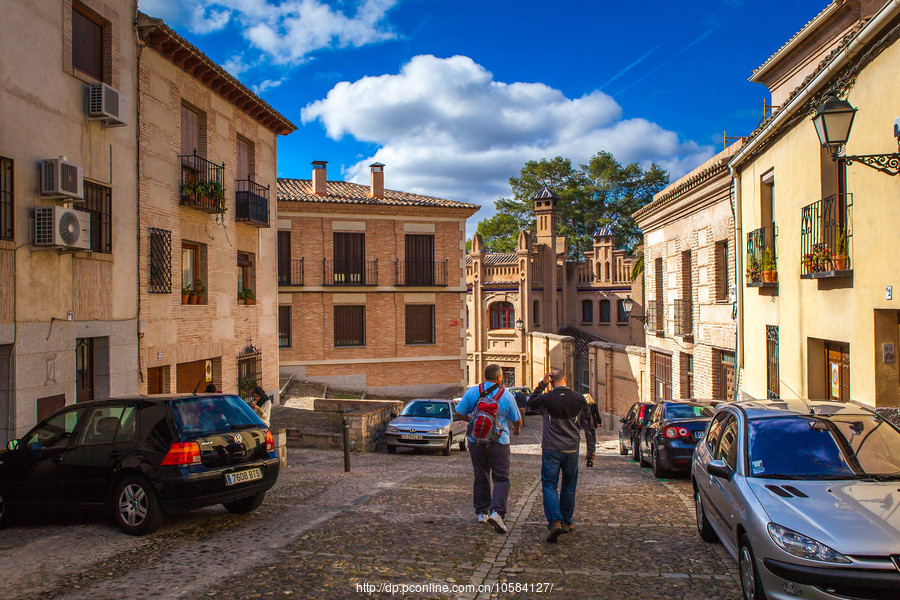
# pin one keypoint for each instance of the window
(721, 266)
(715, 431)
(503, 315)
(246, 281)
(193, 272)
(604, 311)
(419, 323)
(661, 375)
(249, 368)
(84, 369)
(108, 425)
(6, 199)
(536, 315)
(48, 405)
(191, 121)
(587, 311)
(726, 378)
(160, 276)
(284, 258)
(349, 259)
(284, 326)
(98, 203)
(419, 265)
(509, 376)
(773, 388)
(621, 313)
(87, 45)
(728, 445)
(687, 375)
(244, 159)
(56, 432)
(349, 326)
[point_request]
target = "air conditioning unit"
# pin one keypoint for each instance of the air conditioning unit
(59, 177)
(105, 103)
(55, 226)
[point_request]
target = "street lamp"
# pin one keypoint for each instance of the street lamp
(833, 121)
(520, 324)
(628, 304)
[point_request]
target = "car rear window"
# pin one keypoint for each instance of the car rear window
(199, 416)
(687, 411)
(422, 408)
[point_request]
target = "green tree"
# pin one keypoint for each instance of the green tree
(499, 233)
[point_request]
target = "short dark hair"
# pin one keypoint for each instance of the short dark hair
(211, 389)
(492, 372)
(556, 376)
(258, 391)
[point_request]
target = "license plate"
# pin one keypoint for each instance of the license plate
(243, 476)
(699, 434)
(410, 436)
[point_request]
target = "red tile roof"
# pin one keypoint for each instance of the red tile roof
(344, 192)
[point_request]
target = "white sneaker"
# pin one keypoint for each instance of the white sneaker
(482, 518)
(497, 521)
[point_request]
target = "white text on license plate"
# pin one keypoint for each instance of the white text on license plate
(409, 436)
(243, 476)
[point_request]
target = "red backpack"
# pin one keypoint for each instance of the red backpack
(484, 427)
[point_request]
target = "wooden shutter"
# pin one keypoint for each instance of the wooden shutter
(87, 45)
(349, 257)
(419, 260)
(419, 323)
(243, 159)
(190, 131)
(284, 257)
(349, 325)
(284, 326)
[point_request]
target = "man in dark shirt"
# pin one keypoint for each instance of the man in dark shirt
(561, 409)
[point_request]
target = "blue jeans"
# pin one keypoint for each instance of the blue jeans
(559, 505)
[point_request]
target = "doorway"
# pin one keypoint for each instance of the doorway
(84, 369)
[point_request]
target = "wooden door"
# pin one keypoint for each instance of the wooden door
(84, 369)
(837, 371)
(661, 376)
(284, 258)
(726, 381)
(155, 380)
(190, 377)
(243, 159)
(419, 259)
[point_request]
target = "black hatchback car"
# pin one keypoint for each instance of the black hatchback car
(141, 457)
(670, 436)
(632, 425)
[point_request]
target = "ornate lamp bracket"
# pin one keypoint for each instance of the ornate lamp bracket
(886, 163)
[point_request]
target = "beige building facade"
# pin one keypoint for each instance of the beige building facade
(208, 271)
(371, 286)
(689, 285)
(68, 226)
(829, 327)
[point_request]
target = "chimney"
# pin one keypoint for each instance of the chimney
(320, 177)
(377, 188)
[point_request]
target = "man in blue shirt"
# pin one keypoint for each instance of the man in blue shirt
(491, 461)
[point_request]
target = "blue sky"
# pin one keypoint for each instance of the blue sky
(455, 96)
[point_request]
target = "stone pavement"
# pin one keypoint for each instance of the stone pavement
(394, 521)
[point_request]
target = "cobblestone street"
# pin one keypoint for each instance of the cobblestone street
(403, 519)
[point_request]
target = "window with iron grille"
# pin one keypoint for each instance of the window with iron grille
(687, 375)
(773, 388)
(349, 325)
(503, 315)
(420, 323)
(284, 326)
(249, 368)
(509, 376)
(98, 203)
(160, 262)
(6, 198)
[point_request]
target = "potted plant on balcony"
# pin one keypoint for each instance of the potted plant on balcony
(189, 191)
(249, 296)
(840, 252)
(200, 291)
(214, 194)
(822, 257)
(752, 272)
(186, 294)
(808, 263)
(242, 299)
(768, 266)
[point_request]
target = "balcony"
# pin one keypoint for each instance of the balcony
(349, 272)
(654, 316)
(291, 273)
(251, 203)
(825, 238)
(202, 183)
(421, 273)
(762, 259)
(684, 321)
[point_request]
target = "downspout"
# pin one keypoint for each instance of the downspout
(738, 280)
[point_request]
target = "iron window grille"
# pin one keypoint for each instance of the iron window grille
(291, 273)
(683, 324)
(249, 368)
(654, 315)
(773, 386)
(284, 326)
(6, 199)
(762, 258)
(341, 272)
(202, 183)
(160, 262)
(825, 235)
(98, 203)
(251, 203)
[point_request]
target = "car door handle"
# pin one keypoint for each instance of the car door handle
(57, 460)
(115, 454)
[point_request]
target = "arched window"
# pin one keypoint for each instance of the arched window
(622, 316)
(536, 314)
(503, 315)
(587, 311)
(608, 278)
(604, 311)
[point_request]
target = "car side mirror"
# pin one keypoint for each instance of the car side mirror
(13, 445)
(718, 468)
(622, 420)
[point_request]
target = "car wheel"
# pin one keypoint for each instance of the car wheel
(245, 505)
(751, 586)
(463, 445)
(635, 451)
(135, 506)
(446, 450)
(641, 460)
(392, 449)
(622, 449)
(658, 471)
(704, 528)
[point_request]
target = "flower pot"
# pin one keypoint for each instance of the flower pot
(251, 301)
(242, 301)
(840, 262)
(769, 276)
(201, 299)
(185, 298)
(807, 265)
(192, 299)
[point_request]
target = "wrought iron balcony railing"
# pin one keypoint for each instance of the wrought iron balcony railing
(202, 183)
(349, 272)
(825, 234)
(251, 202)
(417, 272)
(762, 258)
(684, 321)
(291, 273)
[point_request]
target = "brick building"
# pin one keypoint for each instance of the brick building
(538, 289)
(371, 288)
(689, 285)
(207, 246)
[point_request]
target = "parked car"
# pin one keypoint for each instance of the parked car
(141, 457)
(427, 424)
(804, 495)
(521, 394)
(668, 439)
(632, 424)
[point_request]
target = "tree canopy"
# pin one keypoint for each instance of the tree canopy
(602, 192)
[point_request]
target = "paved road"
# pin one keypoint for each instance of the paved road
(396, 520)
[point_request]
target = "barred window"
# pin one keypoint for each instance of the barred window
(98, 203)
(284, 326)
(6, 199)
(420, 323)
(160, 262)
(349, 325)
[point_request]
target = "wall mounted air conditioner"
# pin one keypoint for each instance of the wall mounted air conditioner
(106, 103)
(59, 177)
(55, 226)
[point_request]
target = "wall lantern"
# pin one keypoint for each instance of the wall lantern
(833, 121)
(628, 304)
(520, 324)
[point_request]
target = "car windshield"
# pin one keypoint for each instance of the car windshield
(199, 416)
(687, 411)
(834, 447)
(424, 408)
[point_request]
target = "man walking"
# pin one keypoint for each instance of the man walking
(490, 403)
(561, 408)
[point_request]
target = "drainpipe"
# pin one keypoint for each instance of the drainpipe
(738, 280)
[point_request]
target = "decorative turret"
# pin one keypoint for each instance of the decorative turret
(604, 262)
(545, 213)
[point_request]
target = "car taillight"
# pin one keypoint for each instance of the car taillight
(183, 453)
(641, 414)
(671, 432)
(683, 432)
(270, 442)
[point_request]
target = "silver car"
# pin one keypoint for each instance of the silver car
(427, 424)
(804, 495)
